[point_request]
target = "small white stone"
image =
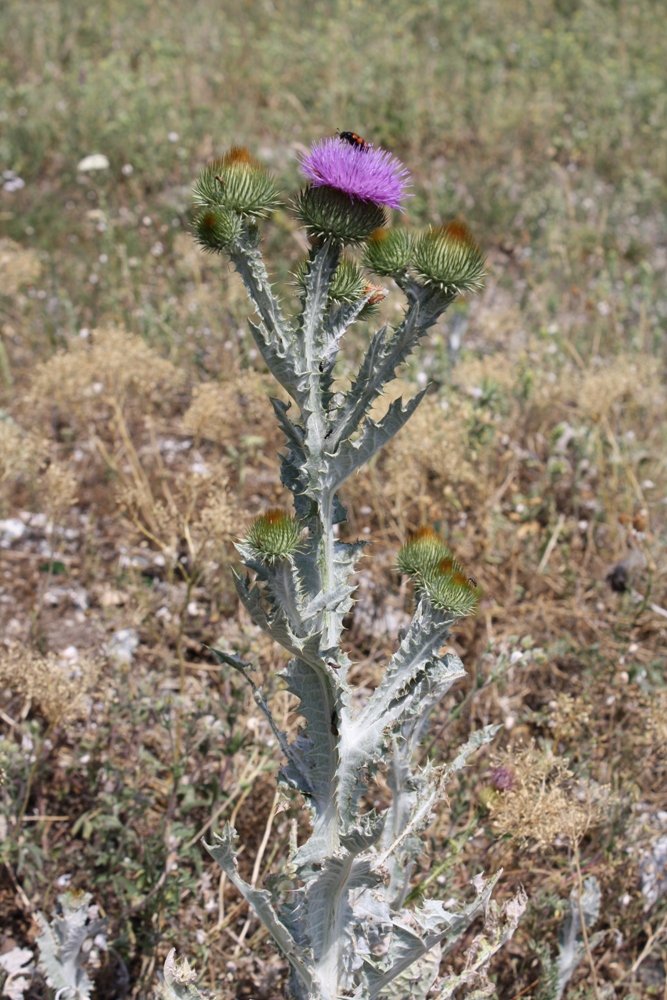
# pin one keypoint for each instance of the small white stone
(122, 645)
(96, 161)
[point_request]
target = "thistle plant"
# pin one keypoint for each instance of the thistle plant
(338, 910)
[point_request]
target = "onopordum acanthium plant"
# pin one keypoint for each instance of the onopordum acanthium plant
(338, 911)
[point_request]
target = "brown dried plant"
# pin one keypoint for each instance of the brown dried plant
(18, 266)
(538, 799)
(58, 691)
(629, 379)
(219, 409)
(22, 454)
(431, 459)
(191, 524)
(59, 490)
(197, 511)
(112, 369)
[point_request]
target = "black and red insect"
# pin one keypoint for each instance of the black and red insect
(354, 140)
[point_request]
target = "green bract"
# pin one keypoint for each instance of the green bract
(217, 228)
(450, 258)
(422, 552)
(329, 213)
(348, 283)
(388, 251)
(238, 182)
(274, 535)
(449, 589)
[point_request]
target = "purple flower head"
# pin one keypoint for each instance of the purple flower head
(367, 174)
(502, 779)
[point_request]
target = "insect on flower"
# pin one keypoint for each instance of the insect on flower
(354, 140)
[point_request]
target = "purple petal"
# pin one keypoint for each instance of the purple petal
(369, 175)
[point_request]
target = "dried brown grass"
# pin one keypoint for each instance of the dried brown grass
(111, 370)
(541, 801)
(59, 690)
(18, 266)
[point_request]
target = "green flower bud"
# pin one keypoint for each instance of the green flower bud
(388, 251)
(274, 535)
(438, 575)
(348, 283)
(450, 258)
(239, 183)
(216, 229)
(422, 552)
(329, 213)
(450, 589)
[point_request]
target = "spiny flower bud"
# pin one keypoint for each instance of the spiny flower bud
(329, 213)
(450, 589)
(239, 183)
(348, 283)
(422, 552)
(450, 258)
(217, 228)
(437, 574)
(274, 535)
(388, 251)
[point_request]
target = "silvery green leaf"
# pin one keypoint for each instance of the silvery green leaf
(407, 690)
(416, 981)
(318, 706)
(351, 455)
(410, 943)
(248, 262)
(179, 980)
(223, 852)
(278, 359)
(321, 267)
(328, 914)
(377, 369)
(571, 947)
(286, 590)
(499, 926)
(338, 322)
(60, 945)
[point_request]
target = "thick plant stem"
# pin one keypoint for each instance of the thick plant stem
(343, 922)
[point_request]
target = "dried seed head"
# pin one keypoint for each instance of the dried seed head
(450, 258)
(274, 535)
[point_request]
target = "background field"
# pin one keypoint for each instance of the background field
(136, 441)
